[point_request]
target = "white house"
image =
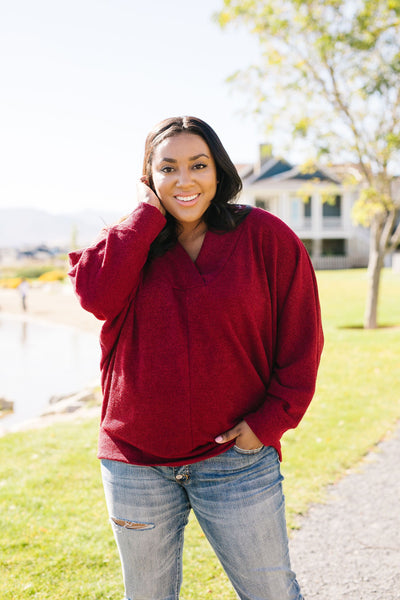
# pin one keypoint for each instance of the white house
(299, 198)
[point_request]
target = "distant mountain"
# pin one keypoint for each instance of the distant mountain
(25, 227)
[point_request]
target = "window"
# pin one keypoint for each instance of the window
(261, 203)
(332, 209)
(295, 207)
(307, 207)
(334, 247)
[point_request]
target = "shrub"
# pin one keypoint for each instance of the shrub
(33, 271)
(55, 275)
(10, 283)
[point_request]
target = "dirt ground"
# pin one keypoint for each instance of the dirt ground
(49, 302)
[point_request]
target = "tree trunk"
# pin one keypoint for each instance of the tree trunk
(375, 265)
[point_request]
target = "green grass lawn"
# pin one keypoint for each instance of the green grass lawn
(56, 542)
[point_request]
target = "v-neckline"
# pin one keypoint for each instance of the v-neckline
(216, 249)
(194, 262)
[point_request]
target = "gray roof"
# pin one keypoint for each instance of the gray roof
(278, 169)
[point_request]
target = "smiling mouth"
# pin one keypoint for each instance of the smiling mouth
(187, 198)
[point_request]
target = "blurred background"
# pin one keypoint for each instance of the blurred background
(305, 96)
(83, 83)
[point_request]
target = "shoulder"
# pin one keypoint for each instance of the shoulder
(271, 228)
(278, 245)
(259, 218)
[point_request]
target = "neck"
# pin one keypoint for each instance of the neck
(191, 238)
(192, 231)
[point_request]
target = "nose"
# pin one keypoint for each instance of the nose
(184, 178)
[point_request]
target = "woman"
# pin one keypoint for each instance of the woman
(210, 348)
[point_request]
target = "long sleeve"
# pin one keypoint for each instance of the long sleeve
(194, 348)
(105, 274)
(299, 343)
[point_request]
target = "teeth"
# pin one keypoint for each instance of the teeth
(186, 198)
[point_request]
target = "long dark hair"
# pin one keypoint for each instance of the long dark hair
(222, 215)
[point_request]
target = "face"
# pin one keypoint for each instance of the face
(185, 177)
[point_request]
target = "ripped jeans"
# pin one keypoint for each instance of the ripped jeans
(238, 501)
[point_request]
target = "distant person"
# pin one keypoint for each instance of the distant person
(23, 291)
(210, 349)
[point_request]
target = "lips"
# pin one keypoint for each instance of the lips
(187, 199)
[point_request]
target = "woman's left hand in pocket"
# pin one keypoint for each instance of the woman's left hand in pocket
(244, 437)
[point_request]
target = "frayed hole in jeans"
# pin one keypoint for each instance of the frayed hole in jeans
(132, 524)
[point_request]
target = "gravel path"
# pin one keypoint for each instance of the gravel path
(349, 548)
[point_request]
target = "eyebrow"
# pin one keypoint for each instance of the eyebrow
(172, 160)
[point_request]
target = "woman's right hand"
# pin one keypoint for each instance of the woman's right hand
(145, 194)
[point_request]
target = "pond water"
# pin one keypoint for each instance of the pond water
(39, 360)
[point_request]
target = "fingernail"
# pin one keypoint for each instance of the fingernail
(219, 439)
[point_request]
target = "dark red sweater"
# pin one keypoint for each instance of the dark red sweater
(190, 349)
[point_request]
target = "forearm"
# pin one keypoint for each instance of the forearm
(106, 274)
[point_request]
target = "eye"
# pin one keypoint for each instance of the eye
(167, 169)
(199, 166)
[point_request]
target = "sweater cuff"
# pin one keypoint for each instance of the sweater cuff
(269, 422)
(144, 214)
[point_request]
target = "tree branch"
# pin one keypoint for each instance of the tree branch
(395, 239)
(345, 110)
(385, 234)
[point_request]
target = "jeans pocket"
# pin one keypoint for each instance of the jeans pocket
(244, 451)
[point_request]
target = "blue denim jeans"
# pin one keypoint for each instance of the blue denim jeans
(238, 501)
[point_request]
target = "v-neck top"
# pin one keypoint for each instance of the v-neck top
(189, 349)
(214, 252)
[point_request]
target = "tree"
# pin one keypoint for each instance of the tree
(329, 79)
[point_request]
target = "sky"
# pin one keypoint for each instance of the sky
(83, 81)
